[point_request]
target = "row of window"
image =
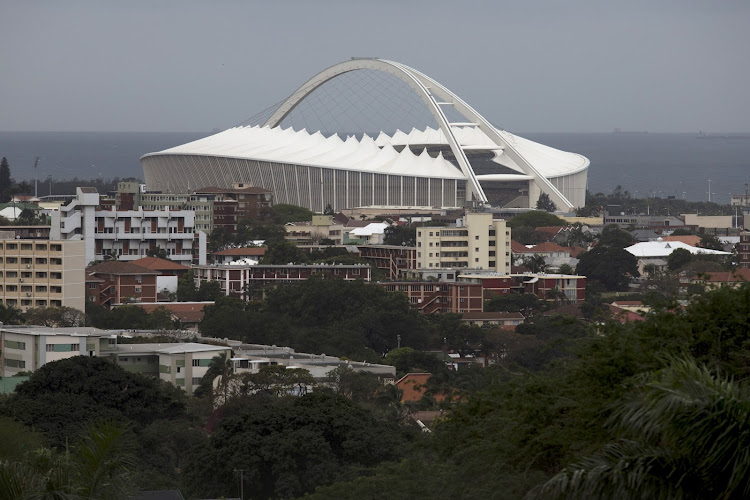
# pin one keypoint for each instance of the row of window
(40, 247)
(29, 303)
(29, 289)
(40, 261)
(28, 274)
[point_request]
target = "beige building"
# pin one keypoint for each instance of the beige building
(28, 348)
(477, 241)
(42, 273)
(312, 232)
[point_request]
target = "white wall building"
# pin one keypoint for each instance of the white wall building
(128, 234)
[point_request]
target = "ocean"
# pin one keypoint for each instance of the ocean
(646, 164)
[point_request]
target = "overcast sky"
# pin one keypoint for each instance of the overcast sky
(533, 66)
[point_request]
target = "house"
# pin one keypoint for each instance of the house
(115, 282)
(413, 387)
(657, 252)
(728, 278)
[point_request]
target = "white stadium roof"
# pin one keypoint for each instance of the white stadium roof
(302, 148)
(549, 161)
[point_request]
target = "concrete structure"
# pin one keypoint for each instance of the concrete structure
(169, 272)
(252, 202)
(28, 348)
(431, 297)
(234, 278)
(24, 232)
(42, 273)
(478, 241)
(128, 234)
(312, 170)
(711, 222)
(234, 254)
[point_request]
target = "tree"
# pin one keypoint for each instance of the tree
(566, 269)
(220, 367)
(158, 252)
(678, 259)
(545, 203)
(329, 210)
(400, 235)
(297, 444)
(676, 443)
(5, 181)
(186, 291)
(283, 252)
(100, 465)
(56, 317)
(283, 213)
(10, 315)
(711, 242)
(613, 236)
(62, 397)
(611, 266)
(209, 291)
(536, 263)
(535, 218)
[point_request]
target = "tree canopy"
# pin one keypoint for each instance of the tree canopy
(535, 218)
(611, 266)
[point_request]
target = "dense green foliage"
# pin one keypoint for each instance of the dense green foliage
(535, 218)
(610, 266)
(283, 213)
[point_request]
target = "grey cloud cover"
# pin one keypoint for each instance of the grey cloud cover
(551, 66)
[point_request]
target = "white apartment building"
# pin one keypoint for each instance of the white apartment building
(42, 273)
(128, 234)
(477, 241)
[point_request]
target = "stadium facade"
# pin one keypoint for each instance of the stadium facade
(447, 166)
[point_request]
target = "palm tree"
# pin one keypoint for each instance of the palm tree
(684, 434)
(220, 366)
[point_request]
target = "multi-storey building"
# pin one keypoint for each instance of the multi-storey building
(211, 210)
(128, 234)
(312, 232)
(394, 260)
(544, 286)
(432, 297)
(42, 273)
(477, 241)
(253, 202)
(234, 278)
(111, 283)
(743, 249)
(28, 348)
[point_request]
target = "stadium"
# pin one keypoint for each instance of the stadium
(318, 148)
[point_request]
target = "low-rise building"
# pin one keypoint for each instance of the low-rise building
(545, 286)
(42, 273)
(395, 260)
(434, 297)
(28, 348)
(499, 318)
(743, 249)
(235, 278)
(234, 254)
(114, 282)
(321, 227)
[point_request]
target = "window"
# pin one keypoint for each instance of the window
(13, 344)
(476, 237)
(92, 286)
(15, 363)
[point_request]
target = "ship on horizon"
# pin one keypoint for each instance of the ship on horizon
(707, 135)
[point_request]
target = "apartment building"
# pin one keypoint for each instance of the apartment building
(253, 202)
(312, 232)
(544, 285)
(114, 282)
(235, 277)
(476, 241)
(42, 273)
(743, 249)
(395, 260)
(432, 297)
(28, 348)
(128, 234)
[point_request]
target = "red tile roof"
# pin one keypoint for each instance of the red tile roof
(160, 264)
(119, 267)
(244, 251)
(738, 275)
(548, 246)
(516, 247)
(688, 239)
